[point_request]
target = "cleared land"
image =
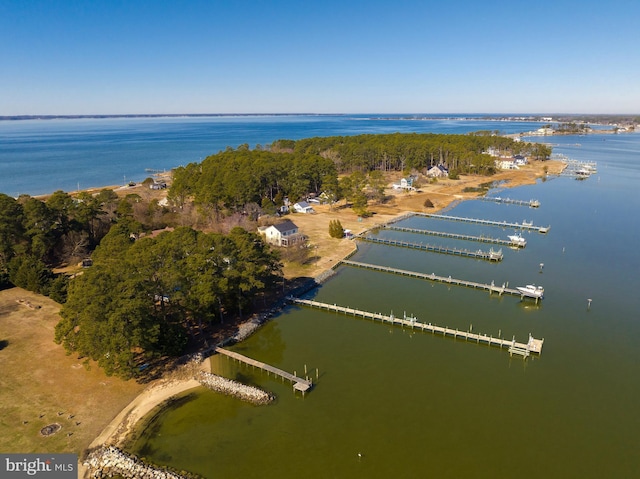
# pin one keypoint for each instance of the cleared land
(41, 385)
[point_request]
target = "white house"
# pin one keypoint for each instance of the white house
(437, 171)
(507, 165)
(405, 184)
(282, 234)
(303, 207)
(519, 160)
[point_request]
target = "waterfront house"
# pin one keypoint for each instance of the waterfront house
(282, 234)
(405, 184)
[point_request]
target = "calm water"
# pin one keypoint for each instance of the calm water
(41, 156)
(390, 402)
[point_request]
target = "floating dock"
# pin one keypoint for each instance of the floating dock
(492, 287)
(299, 384)
(480, 239)
(533, 345)
(509, 201)
(490, 255)
(524, 225)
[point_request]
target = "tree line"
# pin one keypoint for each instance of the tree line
(232, 180)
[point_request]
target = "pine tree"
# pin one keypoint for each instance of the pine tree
(335, 229)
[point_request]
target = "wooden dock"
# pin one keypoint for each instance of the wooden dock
(299, 384)
(492, 288)
(490, 255)
(442, 234)
(504, 224)
(533, 345)
(509, 201)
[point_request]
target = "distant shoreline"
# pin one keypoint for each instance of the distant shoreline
(524, 117)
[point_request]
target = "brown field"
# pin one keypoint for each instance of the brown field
(38, 381)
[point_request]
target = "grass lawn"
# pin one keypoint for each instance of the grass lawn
(41, 385)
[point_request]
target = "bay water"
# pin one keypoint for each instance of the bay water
(38, 157)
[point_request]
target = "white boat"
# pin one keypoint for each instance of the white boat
(531, 290)
(517, 240)
(527, 223)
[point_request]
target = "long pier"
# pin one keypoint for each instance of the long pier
(492, 287)
(509, 201)
(488, 255)
(504, 224)
(442, 234)
(299, 384)
(533, 345)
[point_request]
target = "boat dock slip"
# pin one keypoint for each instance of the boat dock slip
(504, 224)
(299, 384)
(492, 288)
(490, 255)
(481, 239)
(533, 345)
(509, 201)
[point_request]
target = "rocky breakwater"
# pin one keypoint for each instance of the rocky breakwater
(111, 461)
(233, 388)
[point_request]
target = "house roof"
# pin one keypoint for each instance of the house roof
(287, 225)
(303, 204)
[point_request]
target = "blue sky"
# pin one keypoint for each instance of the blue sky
(241, 56)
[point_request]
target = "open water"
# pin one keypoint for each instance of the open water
(41, 156)
(391, 402)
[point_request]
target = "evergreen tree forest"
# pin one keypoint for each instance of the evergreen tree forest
(144, 299)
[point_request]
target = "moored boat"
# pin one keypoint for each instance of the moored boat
(531, 290)
(517, 240)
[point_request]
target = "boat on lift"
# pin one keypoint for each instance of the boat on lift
(517, 240)
(531, 291)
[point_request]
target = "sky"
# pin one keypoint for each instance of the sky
(83, 57)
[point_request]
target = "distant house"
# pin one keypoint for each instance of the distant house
(507, 165)
(282, 234)
(303, 207)
(438, 171)
(405, 184)
(158, 186)
(519, 160)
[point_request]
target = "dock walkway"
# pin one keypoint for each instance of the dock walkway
(509, 201)
(533, 345)
(490, 255)
(442, 234)
(492, 288)
(299, 384)
(504, 224)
